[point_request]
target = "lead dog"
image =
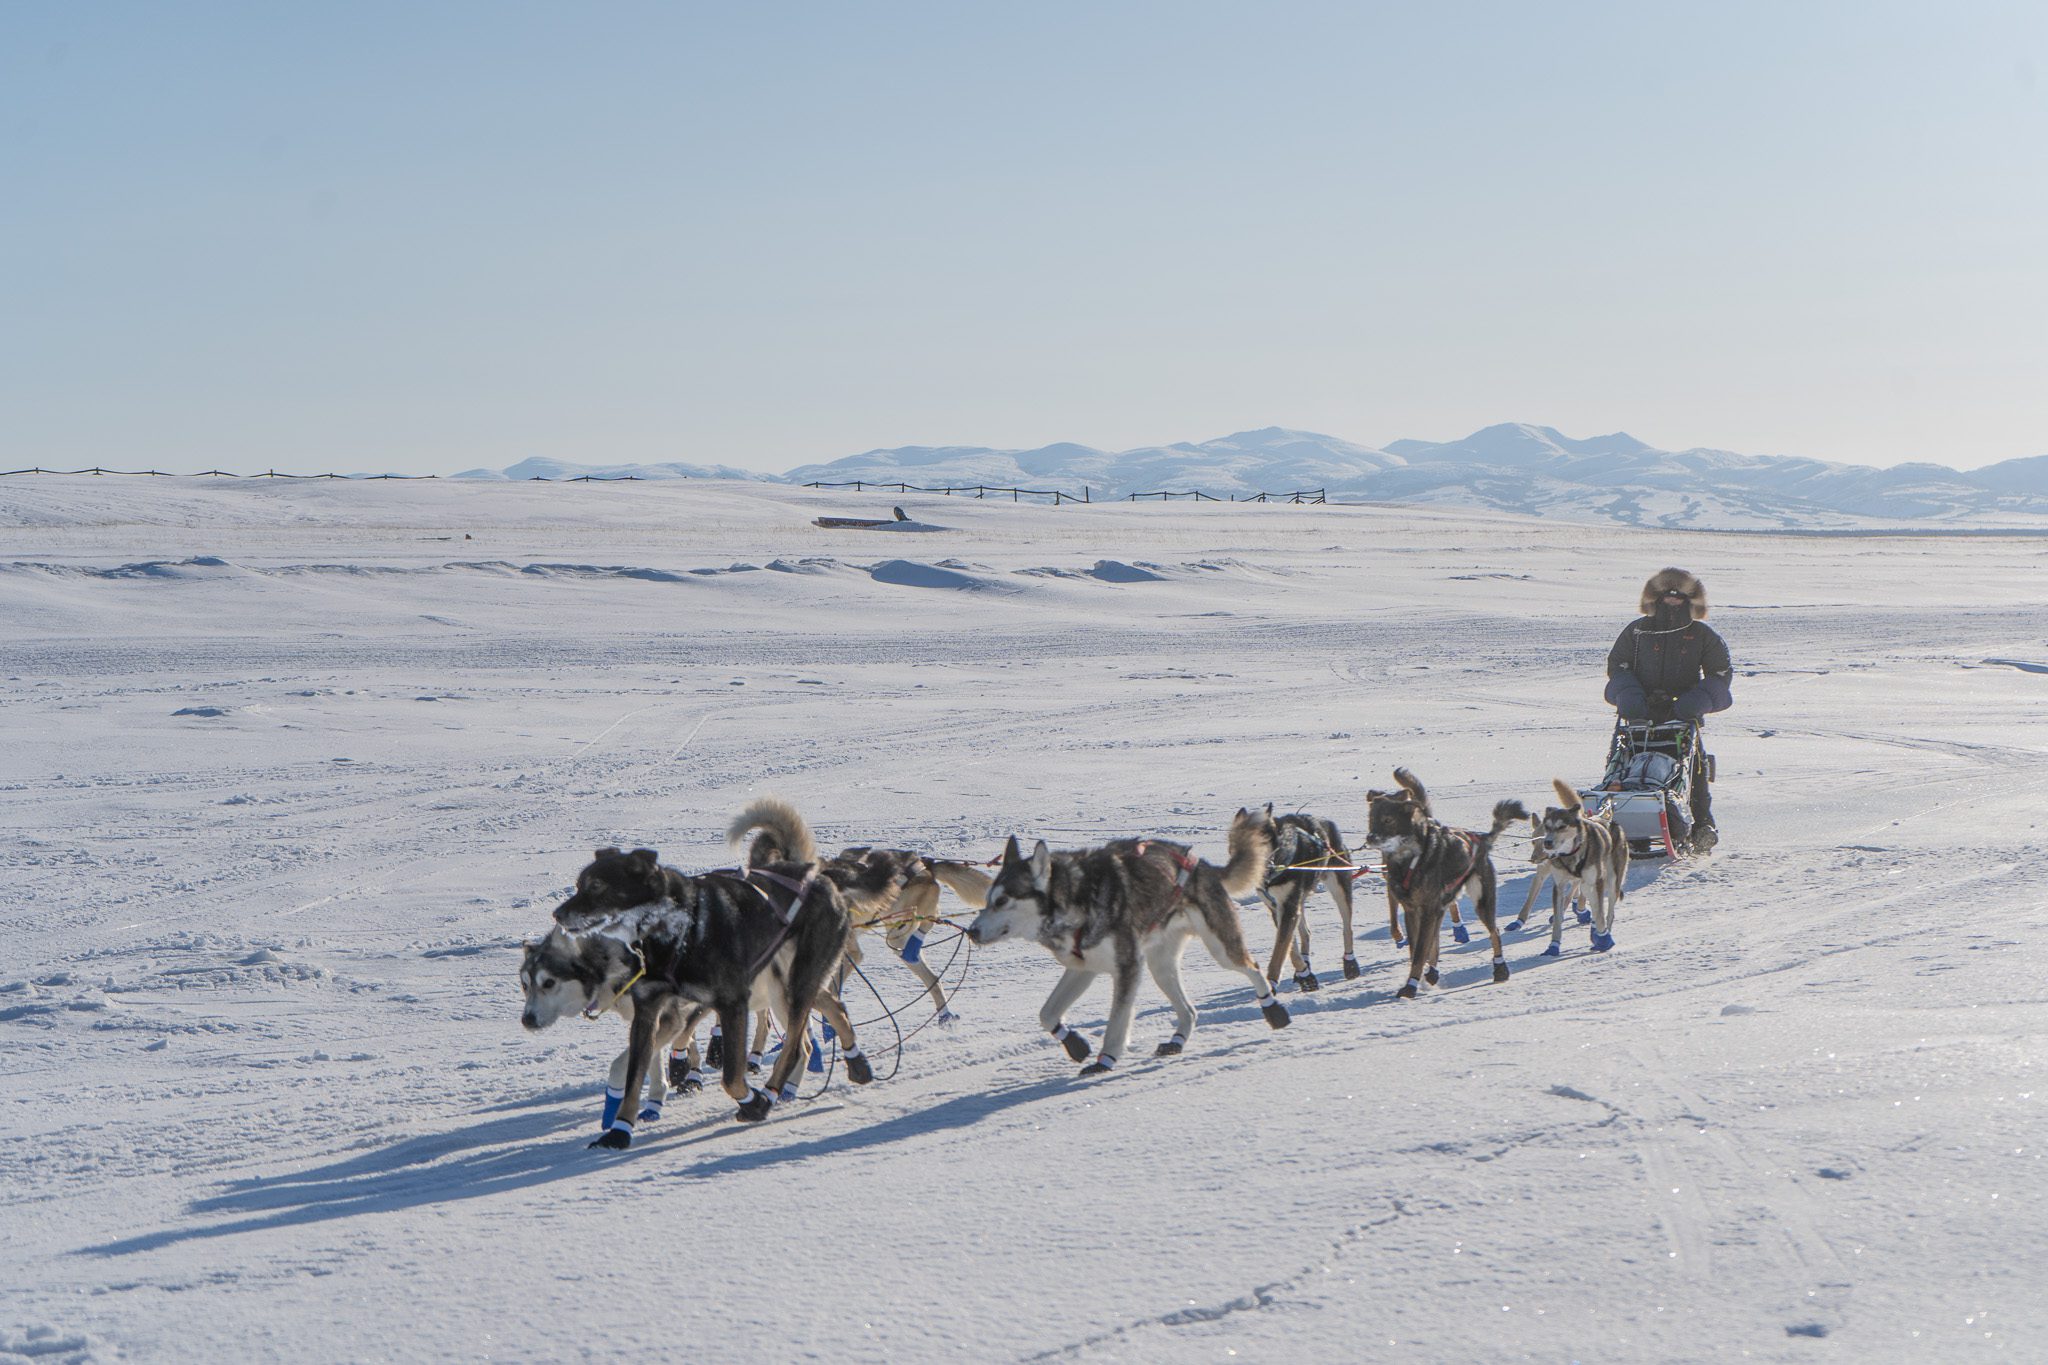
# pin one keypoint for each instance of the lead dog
(562, 975)
(1586, 856)
(1427, 864)
(709, 939)
(1133, 901)
(1306, 849)
(890, 890)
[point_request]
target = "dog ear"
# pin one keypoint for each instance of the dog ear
(1041, 864)
(1269, 810)
(1012, 853)
(645, 859)
(606, 852)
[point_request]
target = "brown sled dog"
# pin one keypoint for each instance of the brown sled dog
(890, 891)
(1427, 864)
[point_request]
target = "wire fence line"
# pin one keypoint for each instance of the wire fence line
(1058, 495)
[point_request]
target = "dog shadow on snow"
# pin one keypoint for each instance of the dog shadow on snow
(528, 1143)
(508, 1147)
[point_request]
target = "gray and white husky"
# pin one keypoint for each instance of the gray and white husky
(563, 975)
(1130, 903)
(1586, 856)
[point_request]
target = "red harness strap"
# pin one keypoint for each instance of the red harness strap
(1186, 862)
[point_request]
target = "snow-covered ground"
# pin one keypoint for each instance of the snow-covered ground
(291, 770)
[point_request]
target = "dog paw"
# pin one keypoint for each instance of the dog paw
(614, 1140)
(714, 1051)
(1583, 916)
(1551, 951)
(1170, 1048)
(1515, 926)
(1276, 1014)
(857, 1069)
(945, 1016)
(1099, 1067)
(1430, 975)
(1351, 969)
(1076, 1046)
(1407, 991)
(1500, 972)
(648, 1114)
(755, 1107)
(1602, 942)
(1306, 981)
(1400, 942)
(678, 1071)
(690, 1084)
(1461, 934)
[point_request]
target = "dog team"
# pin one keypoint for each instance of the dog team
(774, 939)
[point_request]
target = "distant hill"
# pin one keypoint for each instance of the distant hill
(559, 469)
(1512, 467)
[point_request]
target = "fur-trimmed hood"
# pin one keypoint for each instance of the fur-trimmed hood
(1666, 579)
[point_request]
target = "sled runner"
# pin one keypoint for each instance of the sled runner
(1651, 767)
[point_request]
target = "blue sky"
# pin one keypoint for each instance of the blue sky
(424, 237)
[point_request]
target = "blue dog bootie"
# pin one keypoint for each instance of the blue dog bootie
(1461, 933)
(913, 947)
(613, 1098)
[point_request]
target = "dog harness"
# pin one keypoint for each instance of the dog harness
(784, 907)
(1185, 862)
(1303, 849)
(1471, 845)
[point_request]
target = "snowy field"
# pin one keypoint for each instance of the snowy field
(291, 770)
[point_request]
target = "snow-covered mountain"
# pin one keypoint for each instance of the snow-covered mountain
(1511, 467)
(542, 468)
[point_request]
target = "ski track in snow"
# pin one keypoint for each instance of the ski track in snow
(286, 790)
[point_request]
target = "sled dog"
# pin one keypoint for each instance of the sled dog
(1427, 864)
(562, 975)
(1306, 849)
(1585, 855)
(1545, 875)
(891, 891)
(711, 938)
(1131, 902)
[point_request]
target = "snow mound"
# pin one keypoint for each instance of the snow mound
(1116, 571)
(908, 573)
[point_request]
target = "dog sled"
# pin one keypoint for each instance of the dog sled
(1651, 768)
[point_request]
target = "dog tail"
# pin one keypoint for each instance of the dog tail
(1251, 848)
(783, 836)
(970, 884)
(1412, 784)
(1505, 813)
(1567, 794)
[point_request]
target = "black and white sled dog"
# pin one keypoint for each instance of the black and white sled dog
(563, 975)
(1306, 849)
(1129, 903)
(892, 891)
(1427, 865)
(719, 939)
(1585, 855)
